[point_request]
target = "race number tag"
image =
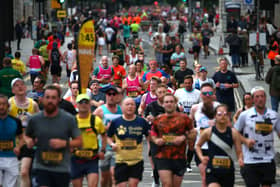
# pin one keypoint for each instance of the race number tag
(221, 162)
(168, 138)
(132, 94)
(262, 127)
(52, 157)
(86, 154)
(128, 144)
(6, 145)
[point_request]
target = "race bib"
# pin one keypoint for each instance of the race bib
(168, 138)
(117, 81)
(86, 154)
(221, 162)
(187, 110)
(132, 94)
(262, 127)
(128, 144)
(6, 145)
(52, 157)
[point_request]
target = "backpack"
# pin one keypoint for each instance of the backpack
(275, 79)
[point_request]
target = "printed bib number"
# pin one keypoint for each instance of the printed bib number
(168, 138)
(87, 154)
(128, 144)
(6, 145)
(221, 162)
(132, 94)
(52, 157)
(262, 127)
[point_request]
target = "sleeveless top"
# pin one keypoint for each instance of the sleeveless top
(132, 59)
(22, 113)
(107, 117)
(70, 59)
(34, 63)
(105, 73)
(132, 86)
(149, 99)
(219, 160)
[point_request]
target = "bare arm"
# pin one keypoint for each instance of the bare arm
(98, 112)
(237, 144)
(204, 137)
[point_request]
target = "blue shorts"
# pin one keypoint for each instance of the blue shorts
(80, 168)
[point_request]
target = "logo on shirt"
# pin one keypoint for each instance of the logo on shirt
(121, 130)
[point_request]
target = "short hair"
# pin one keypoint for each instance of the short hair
(207, 84)
(74, 82)
(35, 51)
(156, 79)
(2, 96)
(188, 77)
(222, 59)
(162, 86)
(170, 94)
(220, 106)
(7, 61)
(69, 46)
(17, 54)
(42, 79)
(53, 87)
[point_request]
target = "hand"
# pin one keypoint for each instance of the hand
(250, 143)
(108, 125)
(159, 142)
(101, 155)
(227, 85)
(17, 150)
(139, 89)
(179, 140)
(114, 146)
(57, 143)
(241, 162)
(30, 142)
(101, 102)
(218, 84)
(205, 160)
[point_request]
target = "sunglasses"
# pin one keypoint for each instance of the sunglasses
(111, 93)
(222, 113)
(84, 101)
(210, 93)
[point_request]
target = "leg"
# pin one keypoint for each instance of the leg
(202, 168)
(11, 173)
(275, 103)
(214, 185)
(177, 181)
(166, 178)
(92, 179)
(105, 178)
(77, 182)
(25, 170)
(132, 182)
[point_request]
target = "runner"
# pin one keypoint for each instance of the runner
(221, 139)
(256, 126)
(108, 112)
(103, 73)
(132, 83)
(119, 71)
(69, 58)
(170, 132)
(55, 57)
(84, 161)
(74, 86)
(11, 129)
(23, 108)
(52, 157)
(35, 64)
(128, 132)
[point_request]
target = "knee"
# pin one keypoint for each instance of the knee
(24, 173)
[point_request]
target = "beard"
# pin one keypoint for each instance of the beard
(208, 110)
(50, 108)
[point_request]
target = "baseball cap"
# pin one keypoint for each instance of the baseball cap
(15, 80)
(256, 88)
(81, 97)
(202, 69)
(106, 88)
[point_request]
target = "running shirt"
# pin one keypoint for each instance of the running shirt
(10, 128)
(22, 113)
(34, 64)
(258, 127)
(70, 59)
(219, 160)
(129, 138)
(149, 98)
(177, 57)
(202, 122)
(132, 87)
(119, 73)
(168, 127)
(187, 98)
(198, 83)
(100, 72)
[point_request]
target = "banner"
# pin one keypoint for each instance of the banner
(86, 46)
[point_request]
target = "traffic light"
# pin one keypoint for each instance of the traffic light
(61, 1)
(184, 1)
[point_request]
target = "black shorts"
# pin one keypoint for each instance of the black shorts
(224, 179)
(257, 174)
(47, 64)
(123, 172)
(196, 158)
(50, 178)
(26, 152)
(196, 49)
(205, 41)
(56, 70)
(109, 41)
(178, 166)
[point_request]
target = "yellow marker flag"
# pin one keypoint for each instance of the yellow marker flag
(86, 47)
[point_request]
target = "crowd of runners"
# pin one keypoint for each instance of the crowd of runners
(182, 112)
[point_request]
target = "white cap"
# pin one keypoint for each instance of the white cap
(15, 80)
(257, 88)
